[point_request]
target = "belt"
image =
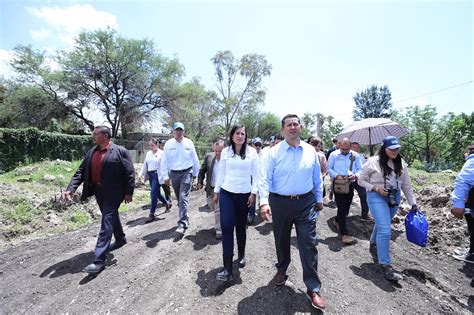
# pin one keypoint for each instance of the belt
(181, 171)
(292, 197)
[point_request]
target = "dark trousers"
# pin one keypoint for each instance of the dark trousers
(301, 213)
(362, 192)
(234, 212)
(343, 202)
(470, 225)
(155, 193)
(110, 225)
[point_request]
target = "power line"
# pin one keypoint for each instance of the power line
(433, 92)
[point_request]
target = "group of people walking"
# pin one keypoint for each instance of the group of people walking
(285, 183)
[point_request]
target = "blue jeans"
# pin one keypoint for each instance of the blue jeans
(383, 215)
(155, 191)
(234, 212)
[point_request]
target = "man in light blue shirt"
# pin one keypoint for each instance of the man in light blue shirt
(463, 201)
(291, 192)
(345, 163)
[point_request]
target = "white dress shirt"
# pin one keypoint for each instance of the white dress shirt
(152, 164)
(178, 156)
(236, 175)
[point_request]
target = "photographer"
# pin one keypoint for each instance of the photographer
(384, 176)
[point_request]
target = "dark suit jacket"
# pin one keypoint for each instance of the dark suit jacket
(206, 168)
(117, 177)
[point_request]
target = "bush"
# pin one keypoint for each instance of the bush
(24, 146)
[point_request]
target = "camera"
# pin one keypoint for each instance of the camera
(392, 196)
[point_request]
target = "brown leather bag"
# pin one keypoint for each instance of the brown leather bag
(342, 185)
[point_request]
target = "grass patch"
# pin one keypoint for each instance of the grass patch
(421, 178)
(18, 230)
(59, 172)
(17, 210)
(78, 219)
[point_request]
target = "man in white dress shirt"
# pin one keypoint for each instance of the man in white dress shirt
(179, 167)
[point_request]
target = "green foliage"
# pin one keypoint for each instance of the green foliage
(261, 124)
(31, 145)
(80, 218)
(192, 105)
(460, 134)
(374, 102)
(18, 210)
(239, 85)
(329, 129)
(417, 165)
(124, 79)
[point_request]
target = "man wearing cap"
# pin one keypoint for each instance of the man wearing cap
(179, 167)
(291, 192)
(344, 163)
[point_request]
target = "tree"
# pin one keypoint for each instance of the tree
(374, 102)
(239, 85)
(329, 129)
(460, 134)
(426, 133)
(126, 80)
(192, 105)
(261, 124)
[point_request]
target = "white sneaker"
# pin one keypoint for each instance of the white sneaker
(180, 230)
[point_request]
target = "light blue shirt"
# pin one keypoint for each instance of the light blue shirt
(288, 170)
(464, 183)
(338, 164)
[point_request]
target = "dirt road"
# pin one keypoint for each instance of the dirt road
(155, 274)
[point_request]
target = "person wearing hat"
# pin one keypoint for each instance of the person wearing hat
(166, 188)
(384, 176)
(179, 167)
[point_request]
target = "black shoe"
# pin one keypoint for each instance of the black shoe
(117, 244)
(94, 267)
(390, 274)
(225, 275)
(242, 262)
(151, 218)
(373, 252)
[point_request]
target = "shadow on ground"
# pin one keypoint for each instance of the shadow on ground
(74, 265)
(210, 286)
(271, 299)
(154, 238)
(203, 238)
(372, 272)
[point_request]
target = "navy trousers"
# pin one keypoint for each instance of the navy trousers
(234, 212)
(155, 193)
(301, 213)
(110, 224)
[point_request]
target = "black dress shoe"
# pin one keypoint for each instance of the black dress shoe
(94, 267)
(117, 244)
(242, 262)
(225, 275)
(151, 218)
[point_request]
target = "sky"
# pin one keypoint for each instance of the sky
(321, 52)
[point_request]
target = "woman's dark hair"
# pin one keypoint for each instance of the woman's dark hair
(314, 140)
(232, 143)
(154, 140)
(383, 161)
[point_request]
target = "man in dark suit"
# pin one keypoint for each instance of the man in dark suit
(107, 172)
(209, 170)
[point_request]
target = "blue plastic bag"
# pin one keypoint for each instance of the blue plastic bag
(416, 228)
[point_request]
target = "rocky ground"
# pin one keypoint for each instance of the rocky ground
(153, 273)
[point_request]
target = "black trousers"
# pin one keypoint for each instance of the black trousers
(470, 225)
(110, 224)
(362, 192)
(343, 202)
